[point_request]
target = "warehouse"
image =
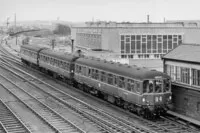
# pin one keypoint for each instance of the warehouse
(135, 40)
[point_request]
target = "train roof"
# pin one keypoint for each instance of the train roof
(58, 55)
(49, 52)
(134, 72)
(32, 47)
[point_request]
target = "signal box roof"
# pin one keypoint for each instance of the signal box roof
(185, 53)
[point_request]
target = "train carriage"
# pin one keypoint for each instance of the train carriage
(137, 89)
(29, 54)
(57, 64)
(128, 86)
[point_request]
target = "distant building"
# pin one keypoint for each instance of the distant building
(135, 40)
(183, 65)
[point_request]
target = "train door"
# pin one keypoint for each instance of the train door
(72, 69)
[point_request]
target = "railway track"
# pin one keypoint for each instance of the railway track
(52, 118)
(161, 125)
(10, 123)
(2, 128)
(7, 53)
(110, 123)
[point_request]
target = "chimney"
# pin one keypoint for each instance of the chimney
(147, 18)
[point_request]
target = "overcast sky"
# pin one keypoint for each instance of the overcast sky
(109, 10)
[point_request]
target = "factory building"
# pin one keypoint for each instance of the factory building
(135, 40)
(183, 65)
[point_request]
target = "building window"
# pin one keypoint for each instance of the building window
(195, 77)
(155, 44)
(128, 48)
(132, 46)
(178, 75)
(182, 75)
(185, 75)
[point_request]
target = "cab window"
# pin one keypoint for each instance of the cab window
(158, 86)
(166, 87)
(148, 86)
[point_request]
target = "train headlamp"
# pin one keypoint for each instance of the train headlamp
(156, 99)
(170, 98)
(143, 99)
(161, 99)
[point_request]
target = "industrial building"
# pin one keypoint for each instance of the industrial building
(183, 65)
(135, 40)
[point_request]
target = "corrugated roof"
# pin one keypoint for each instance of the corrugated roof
(185, 52)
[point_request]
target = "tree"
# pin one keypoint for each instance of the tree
(62, 30)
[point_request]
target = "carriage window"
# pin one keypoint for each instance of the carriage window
(130, 85)
(80, 69)
(66, 66)
(103, 76)
(89, 72)
(115, 80)
(96, 74)
(83, 70)
(158, 86)
(137, 87)
(147, 86)
(121, 82)
(110, 79)
(93, 73)
(77, 69)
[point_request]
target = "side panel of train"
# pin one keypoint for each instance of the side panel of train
(186, 101)
(28, 56)
(57, 66)
(108, 83)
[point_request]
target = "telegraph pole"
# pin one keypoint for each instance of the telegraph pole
(7, 23)
(16, 27)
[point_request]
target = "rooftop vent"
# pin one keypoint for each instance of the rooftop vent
(129, 66)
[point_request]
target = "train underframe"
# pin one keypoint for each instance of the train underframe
(148, 112)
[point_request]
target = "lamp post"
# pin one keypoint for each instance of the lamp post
(72, 46)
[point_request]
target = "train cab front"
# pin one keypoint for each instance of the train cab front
(156, 97)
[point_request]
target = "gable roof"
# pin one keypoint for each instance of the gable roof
(185, 52)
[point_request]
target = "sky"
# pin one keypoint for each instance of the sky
(104, 10)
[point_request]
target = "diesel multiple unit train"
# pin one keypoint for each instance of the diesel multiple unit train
(145, 92)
